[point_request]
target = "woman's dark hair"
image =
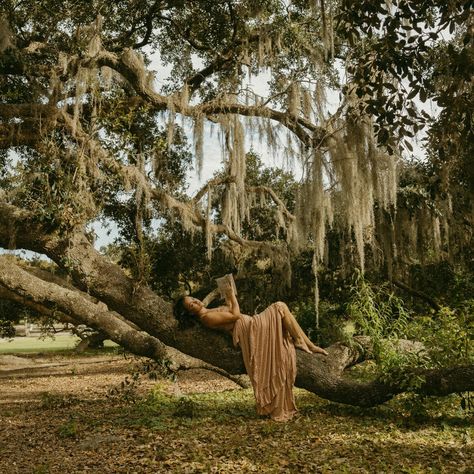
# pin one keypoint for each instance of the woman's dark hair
(184, 317)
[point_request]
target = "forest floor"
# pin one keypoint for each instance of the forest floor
(63, 413)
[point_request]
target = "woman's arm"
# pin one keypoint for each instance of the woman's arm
(231, 300)
(223, 317)
(219, 319)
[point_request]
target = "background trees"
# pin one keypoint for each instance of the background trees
(89, 132)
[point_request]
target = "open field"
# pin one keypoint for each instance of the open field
(56, 418)
(60, 342)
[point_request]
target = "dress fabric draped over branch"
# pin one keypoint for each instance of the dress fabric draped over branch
(270, 359)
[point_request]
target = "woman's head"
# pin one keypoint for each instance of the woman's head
(192, 305)
(184, 310)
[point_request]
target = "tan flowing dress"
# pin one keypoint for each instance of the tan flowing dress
(270, 359)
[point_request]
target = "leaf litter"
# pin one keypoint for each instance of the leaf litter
(61, 418)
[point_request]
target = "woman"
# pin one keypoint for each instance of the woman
(268, 342)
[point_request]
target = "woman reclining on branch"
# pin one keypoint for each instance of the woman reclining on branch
(268, 342)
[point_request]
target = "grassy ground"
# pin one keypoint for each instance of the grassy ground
(202, 423)
(34, 344)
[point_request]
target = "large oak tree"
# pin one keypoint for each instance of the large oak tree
(85, 124)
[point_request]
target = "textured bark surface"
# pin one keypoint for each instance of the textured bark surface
(71, 302)
(121, 302)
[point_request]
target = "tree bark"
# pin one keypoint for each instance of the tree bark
(97, 316)
(71, 305)
(104, 280)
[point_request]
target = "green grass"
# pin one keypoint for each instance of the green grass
(35, 344)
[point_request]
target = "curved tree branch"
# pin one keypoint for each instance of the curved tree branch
(107, 282)
(128, 66)
(50, 295)
(73, 306)
(324, 376)
(38, 308)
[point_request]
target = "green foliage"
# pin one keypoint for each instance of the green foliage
(333, 325)
(442, 340)
(450, 286)
(378, 313)
(261, 224)
(7, 329)
(395, 42)
(448, 336)
(68, 430)
(382, 316)
(451, 137)
(12, 313)
(178, 259)
(49, 183)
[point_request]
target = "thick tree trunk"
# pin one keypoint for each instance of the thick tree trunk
(139, 305)
(25, 285)
(76, 307)
(106, 281)
(332, 383)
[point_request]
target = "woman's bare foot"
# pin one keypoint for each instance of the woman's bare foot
(301, 344)
(309, 347)
(319, 350)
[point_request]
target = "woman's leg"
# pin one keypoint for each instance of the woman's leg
(300, 339)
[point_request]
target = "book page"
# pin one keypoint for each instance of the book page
(224, 283)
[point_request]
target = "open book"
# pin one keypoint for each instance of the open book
(224, 283)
